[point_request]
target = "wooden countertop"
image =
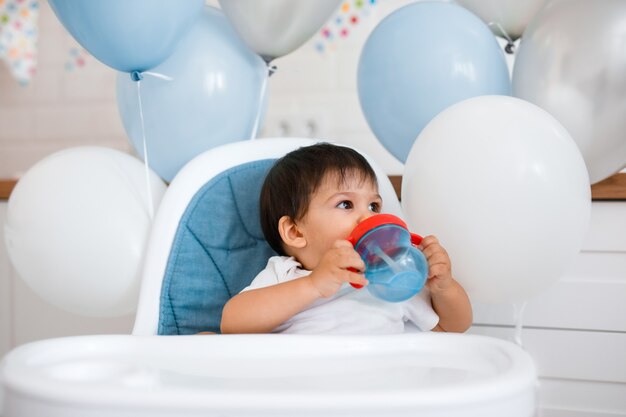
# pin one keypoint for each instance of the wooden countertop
(6, 186)
(611, 189)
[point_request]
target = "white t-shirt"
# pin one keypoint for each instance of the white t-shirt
(350, 310)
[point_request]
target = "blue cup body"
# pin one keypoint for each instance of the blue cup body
(396, 270)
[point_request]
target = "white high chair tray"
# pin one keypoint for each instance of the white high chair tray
(425, 374)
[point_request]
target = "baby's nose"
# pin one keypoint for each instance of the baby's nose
(365, 215)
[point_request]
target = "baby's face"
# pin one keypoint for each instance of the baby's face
(334, 211)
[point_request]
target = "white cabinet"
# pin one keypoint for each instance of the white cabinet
(6, 290)
(576, 329)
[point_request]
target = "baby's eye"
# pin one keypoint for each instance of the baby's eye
(375, 207)
(346, 205)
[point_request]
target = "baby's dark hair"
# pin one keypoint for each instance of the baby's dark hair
(293, 179)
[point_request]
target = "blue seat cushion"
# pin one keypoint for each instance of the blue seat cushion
(217, 250)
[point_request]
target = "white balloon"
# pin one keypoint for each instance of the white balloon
(273, 28)
(572, 63)
(506, 18)
(504, 187)
(77, 224)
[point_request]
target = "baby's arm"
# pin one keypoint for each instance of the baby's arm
(449, 299)
(262, 310)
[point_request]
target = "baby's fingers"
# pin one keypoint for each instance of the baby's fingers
(432, 247)
(357, 280)
(346, 257)
(439, 270)
(352, 262)
(427, 241)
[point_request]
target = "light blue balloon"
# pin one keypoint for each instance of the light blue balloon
(128, 35)
(214, 96)
(418, 61)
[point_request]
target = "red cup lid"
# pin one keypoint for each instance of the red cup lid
(373, 222)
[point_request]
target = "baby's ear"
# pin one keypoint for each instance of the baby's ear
(290, 234)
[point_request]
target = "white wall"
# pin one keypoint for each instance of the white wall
(58, 109)
(62, 108)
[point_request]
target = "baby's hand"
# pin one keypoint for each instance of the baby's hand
(332, 271)
(439, 266)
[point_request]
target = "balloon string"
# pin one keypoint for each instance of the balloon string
(518, 316)
(138, 75)
(145, 154)
(257, 119)
(158, 75)
(510, 45)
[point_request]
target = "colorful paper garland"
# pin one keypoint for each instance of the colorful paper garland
(18, 37)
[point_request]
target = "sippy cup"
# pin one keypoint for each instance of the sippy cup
(396, 270)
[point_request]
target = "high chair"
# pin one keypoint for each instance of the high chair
(206, 245)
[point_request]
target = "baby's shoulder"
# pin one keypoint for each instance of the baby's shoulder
(278, 269)
(284, 268)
